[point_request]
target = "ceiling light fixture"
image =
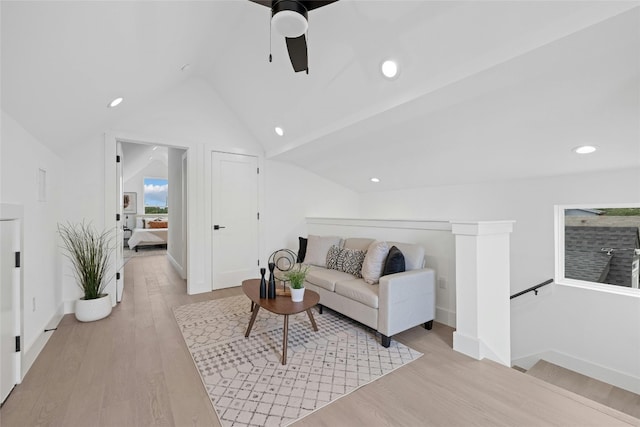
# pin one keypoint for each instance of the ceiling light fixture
(289, 18)
(279, 131)
(585, 149)
(389, 69)
(115, 102)
(155, 148)
(375, 180)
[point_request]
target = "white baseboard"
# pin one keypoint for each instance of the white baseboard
(610, 376)
(177, 266)
(70, 307)
(446, 316)
(467, 345)
(31, 354)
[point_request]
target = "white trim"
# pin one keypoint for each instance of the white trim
(559, 235)
(602, 373)
(29, 356)
(446, 316)
(383, 223)
(177, 266)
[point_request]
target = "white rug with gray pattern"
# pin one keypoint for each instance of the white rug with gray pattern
(244, 378)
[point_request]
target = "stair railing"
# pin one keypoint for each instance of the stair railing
(532, 289)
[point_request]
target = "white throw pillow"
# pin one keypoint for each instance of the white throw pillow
(374, 262)
(318, 247)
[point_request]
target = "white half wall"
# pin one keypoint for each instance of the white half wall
(434, 236)
(602, 329)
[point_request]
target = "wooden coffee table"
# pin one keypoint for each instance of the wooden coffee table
(280, 305)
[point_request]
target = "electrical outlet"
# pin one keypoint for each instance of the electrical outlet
(33, 304)
(442, 283)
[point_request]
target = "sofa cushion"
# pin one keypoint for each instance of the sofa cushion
(325, 278)
(332, 257)
(358, 290)
(302, 248)
(413, 254)
(317, 248)
(395, 262)
(350, 261)
(358, 243)
(374, 262)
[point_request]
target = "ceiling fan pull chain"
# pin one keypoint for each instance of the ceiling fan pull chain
(270, 57)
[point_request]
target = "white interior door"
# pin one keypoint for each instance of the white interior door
(119, 224)
(9, 294)
(235, 219)
(185, 217)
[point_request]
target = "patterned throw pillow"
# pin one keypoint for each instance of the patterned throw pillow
(350, 261)
(332, 257)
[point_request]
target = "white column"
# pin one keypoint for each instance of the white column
(482, 289)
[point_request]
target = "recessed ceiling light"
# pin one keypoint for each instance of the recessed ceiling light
(279, 130)
(585, 149)
(115, 102)
(389, 69)
(375, 180)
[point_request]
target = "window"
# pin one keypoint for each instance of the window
(598, 246)
(155, 196)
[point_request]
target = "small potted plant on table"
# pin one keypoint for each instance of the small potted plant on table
(89, 252)
(296, 282)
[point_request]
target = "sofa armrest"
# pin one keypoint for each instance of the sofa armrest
(406, 300)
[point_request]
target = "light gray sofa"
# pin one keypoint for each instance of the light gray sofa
(398, 302)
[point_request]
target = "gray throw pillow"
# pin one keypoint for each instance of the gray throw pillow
(394, 263)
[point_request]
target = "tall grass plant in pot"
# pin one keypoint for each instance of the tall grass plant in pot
(89, 252)
(296, 282)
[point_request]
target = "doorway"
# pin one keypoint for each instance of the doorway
(137, 201)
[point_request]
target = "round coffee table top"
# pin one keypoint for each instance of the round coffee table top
(281, 304)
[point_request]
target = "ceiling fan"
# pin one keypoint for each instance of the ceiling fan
(289, 17)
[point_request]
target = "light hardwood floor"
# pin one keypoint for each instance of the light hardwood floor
(133, 369)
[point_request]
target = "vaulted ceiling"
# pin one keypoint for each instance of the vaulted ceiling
(486, 90)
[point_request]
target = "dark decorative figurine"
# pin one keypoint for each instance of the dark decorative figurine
(263, 283)
(272, 281)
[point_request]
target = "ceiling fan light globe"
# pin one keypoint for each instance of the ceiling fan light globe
(289, 23)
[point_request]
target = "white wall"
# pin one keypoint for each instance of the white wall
(565, 321)
(292, 194)
(21, 155)
(176, 239)
(194, 117)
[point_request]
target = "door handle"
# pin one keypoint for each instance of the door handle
(218, 227)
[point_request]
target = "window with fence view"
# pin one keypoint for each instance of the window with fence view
(602, 245)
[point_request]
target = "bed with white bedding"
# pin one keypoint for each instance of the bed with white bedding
(147, 237)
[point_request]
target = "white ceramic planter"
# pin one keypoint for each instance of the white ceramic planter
(93, 309)
(297, 295)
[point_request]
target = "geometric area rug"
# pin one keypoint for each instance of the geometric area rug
(247, 384)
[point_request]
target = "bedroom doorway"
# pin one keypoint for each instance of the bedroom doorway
(149, 193)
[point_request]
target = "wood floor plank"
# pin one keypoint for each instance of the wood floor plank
(134, 369)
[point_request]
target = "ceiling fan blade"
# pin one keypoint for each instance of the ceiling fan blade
(297, 48)
(266, 3)
(314, 4)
